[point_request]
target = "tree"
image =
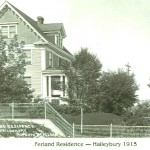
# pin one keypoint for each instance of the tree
(117, 91)
(13, 88)
(83, 75)
(138, 115)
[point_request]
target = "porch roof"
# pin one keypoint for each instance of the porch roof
(52, 71)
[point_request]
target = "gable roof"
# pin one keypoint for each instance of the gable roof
(53, 27)
(38, 29)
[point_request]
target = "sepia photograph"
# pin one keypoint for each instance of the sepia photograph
(75, 70)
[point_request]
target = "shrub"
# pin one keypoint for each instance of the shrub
(66, 109)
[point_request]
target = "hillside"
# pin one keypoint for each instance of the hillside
(94, 119)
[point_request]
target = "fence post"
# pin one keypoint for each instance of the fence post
(45, 110)
(111, 130)
(73, 130)
(81, 120)
(12, 110)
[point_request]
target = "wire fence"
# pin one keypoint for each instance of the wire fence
(21, 110)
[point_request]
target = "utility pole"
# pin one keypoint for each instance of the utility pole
(128, 68)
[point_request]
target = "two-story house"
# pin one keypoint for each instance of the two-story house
(43, 47)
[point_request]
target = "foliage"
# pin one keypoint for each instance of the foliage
(13, 88)
(117, 91)
(36, 112)
(83, 75)
(138, 115)
(66, 109)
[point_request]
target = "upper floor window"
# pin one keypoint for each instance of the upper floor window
(58, 40)
(8, 31)
(28, 56)
(50, 59)
(58, 61)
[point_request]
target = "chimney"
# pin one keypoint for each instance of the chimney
(40, 20)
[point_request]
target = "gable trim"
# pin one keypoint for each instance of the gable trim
(6, 4)
(6, 23)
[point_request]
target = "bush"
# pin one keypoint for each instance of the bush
(36, 112)
(66, 109)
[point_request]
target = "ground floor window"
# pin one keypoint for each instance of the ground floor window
(28, 80)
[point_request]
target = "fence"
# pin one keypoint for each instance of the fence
(46, 111)
(114, 131)
(35, 111)
(21, 110)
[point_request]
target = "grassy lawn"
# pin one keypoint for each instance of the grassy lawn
(94, 119)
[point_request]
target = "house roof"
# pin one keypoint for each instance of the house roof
(50, 27)
(53, 27)
(40, 28)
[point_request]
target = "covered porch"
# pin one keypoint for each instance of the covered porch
(54, 84)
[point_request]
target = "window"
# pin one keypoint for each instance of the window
(58, 40)
(28, 81)
(8, 31)
(50, 59)
(28, 56)
(59, 61)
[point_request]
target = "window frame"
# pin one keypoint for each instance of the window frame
(8, 30)
(50, 59)
(28, 84)
(28, 49)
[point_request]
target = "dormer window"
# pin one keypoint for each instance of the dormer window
(58, 40)
(8, 31)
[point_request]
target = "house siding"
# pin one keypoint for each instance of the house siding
(40, 53)
(35, 71)
(24, 32)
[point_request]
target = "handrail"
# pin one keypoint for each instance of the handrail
(59, 121)
(58, 113)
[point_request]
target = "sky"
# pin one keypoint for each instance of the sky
(117, 31)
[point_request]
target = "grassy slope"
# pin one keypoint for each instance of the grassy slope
(94, 119)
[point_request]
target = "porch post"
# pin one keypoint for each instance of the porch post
(44, 91)
(61, 81)
(50, 87)
(66, 82)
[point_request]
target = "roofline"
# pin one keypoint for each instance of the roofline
(56, 47)
(61, 50)
(51, 44)
(7, 3)
(62, 25)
